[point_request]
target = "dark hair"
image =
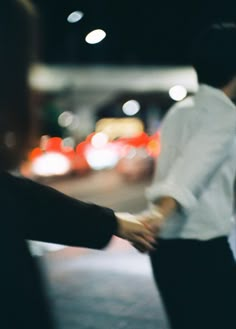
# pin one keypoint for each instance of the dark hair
(16, 53)
(213, 55)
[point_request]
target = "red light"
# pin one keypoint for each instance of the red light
(81, 148)
(36, 152)
(89, 137)
(53, 144)
(137, 141)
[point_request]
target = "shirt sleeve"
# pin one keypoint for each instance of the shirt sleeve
(44, 214)
(197, 162)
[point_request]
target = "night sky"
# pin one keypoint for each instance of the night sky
(138, 32)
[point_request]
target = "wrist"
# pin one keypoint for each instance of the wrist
(119, 226)
(166, 206)
(157, 214)
(122, 220)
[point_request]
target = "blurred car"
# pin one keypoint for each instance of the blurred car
(53, 158)
(136, 164)
(132, 157)
(139, 154)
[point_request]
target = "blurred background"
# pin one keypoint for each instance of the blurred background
(107, 73)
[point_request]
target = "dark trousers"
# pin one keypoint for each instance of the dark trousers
(197, 282)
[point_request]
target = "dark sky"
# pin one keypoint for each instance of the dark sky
(138, 32)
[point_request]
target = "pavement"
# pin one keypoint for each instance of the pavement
(110, 289)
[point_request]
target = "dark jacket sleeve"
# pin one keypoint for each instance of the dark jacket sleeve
(48, 215)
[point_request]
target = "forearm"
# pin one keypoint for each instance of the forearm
(166, 206)
(190, 171)
(158, 213)
(45, 214)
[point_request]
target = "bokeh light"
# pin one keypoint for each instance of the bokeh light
(99, 140)
(66, 119)
(75, 17)
(178, 93)
(95, 36)
(50, 164)
(131, 107)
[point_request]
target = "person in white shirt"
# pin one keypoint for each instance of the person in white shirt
(191, 197)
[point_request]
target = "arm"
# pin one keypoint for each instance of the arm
(158, 213)
(200, 158)
(45, 214)
(192, 170)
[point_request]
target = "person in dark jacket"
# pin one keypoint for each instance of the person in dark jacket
(30, 210)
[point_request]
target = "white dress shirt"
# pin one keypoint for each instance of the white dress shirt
(197, 165)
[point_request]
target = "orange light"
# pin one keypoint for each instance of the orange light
(154, 147)
(89, 137)
(53, 144)
(36, 152)
(136, 141)
(81, 148)
(68, 152)
(80, 164)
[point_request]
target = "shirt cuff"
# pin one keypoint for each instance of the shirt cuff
(183, 196)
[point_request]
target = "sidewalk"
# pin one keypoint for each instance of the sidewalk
(110, 289)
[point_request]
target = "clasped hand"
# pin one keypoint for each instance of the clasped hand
(141, 229)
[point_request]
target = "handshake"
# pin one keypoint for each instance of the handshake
(140, 230)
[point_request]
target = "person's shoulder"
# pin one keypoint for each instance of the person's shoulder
(188, 102)
(181, 108)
